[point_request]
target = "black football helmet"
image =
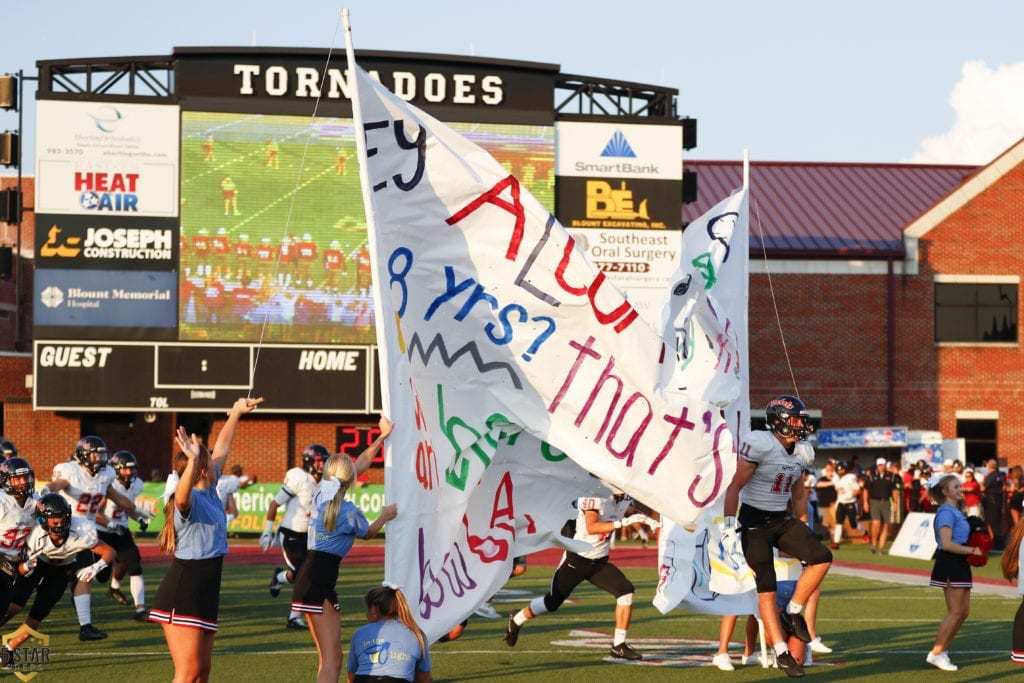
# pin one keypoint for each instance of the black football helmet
(313, 459)
(54, 514)
(91, 453)
(125, 460)
(787, 416)
(8, 449)
(17, 477)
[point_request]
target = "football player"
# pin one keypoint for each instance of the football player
(847, 493)
(17, 516)
(83, 481)
(8, 449)
(296, 494)
(112, 525)
(597, 522)
(51, 554)
(769, 481)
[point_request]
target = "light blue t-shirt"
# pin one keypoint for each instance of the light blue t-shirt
(947, 515)
(386, 648)
(351, 524)
(204, 533)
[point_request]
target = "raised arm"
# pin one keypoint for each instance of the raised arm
(362, 463)
(190, 446)
(222, 447)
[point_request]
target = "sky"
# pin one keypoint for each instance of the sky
(904, 81)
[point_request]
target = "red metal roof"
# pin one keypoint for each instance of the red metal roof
(825, 210)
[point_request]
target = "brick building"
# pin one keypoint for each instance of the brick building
(888, 295)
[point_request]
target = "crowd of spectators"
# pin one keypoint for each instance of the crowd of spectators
(995, 495)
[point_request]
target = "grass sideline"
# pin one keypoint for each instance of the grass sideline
(878, 629)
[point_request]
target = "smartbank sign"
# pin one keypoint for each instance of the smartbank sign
(64, 241)
(618, 150)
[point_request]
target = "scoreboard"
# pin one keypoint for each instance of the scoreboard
(202, 377)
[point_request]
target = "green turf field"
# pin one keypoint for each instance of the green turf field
(878, 630)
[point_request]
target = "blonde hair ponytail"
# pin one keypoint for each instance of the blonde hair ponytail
(339, 467)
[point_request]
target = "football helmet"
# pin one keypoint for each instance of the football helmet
(91, 453)
(17, 477)
(313, 459)
(8, 449)
(54, 514)
(787, 416)
(125, 460)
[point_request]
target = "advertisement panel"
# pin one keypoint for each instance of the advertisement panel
(104, 298)
(619, 203)
(106, 158)
(640, 262)
(620, 150)
(104, 242)
(619, 175)
(864, 437)
(253, 502)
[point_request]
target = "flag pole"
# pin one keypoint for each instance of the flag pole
(371, 228)
(746, 169)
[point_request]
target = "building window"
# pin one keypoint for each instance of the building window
(973, 312)
(979, 440)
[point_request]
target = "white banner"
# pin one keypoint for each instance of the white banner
(705, 321)
(491, 320)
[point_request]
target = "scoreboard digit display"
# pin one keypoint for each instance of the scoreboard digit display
(353, 439)
(213, 366)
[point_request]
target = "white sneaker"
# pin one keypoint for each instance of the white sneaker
(487, 611)
(819, 647)
(941, 661)
(722, 661)
(772, 664)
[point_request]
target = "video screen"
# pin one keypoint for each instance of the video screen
(272, 254)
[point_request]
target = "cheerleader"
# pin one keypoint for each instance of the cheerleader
(951, 572)
(196, 532)
(334, 525)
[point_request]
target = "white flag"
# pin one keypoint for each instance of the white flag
(685, 573)
(705, 321)
(490, 320)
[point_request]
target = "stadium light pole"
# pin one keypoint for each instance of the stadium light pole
(19, 106)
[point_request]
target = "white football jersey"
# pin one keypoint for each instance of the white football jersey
(85, 490)
(847, 487)
(82, 537)
(607, 511)
(770, 486)
(16, 522)
(226, 485)
(116, 515)
(296, 495)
